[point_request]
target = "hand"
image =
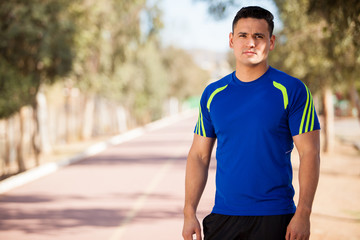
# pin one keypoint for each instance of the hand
(298, 228)
(191, 226)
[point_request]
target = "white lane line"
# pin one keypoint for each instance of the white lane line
(46, 169)
(140, 202)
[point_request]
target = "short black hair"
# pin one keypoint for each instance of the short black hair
(255, 12)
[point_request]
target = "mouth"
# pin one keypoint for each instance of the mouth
(249, 53)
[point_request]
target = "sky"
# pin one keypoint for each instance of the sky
(188, 25)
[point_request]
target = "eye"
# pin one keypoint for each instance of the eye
(259, 36)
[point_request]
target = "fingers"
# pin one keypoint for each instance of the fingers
(293, 236)
(191, 234)
(198, 235)
(191, 229)
(287, 236)
(187, 236)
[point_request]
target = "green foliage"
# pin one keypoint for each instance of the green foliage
(150, 86)
(343, 19)
(343, 31)
(121, 59)
(14, 89)
(36, 43)
(108, 48)
(185, 78)
(319, 42)
(37, 37)
(218, 8)
(107, 32)
(115, 59)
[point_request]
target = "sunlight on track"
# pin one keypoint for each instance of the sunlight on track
(140, 202)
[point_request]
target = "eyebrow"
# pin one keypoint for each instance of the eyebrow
(255, 34)
(259, 34)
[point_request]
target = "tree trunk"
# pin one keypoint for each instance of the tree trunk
(88, 118)
(35, 134)
(329, 134)
(68, 112)
(42, 117)
(355, 98)
(20, 144)
(121, 119)
(7, 148)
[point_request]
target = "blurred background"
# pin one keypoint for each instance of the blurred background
(75, 72)
(71, 71)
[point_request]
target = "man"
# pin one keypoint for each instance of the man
(256, 114)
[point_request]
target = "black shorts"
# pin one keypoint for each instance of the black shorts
(224, 227)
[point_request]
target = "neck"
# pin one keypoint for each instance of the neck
(250, 73)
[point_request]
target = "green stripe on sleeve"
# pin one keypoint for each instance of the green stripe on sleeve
(213, 95)
(308, 114)
(312, 118)
(284, 93)
(304, 113)
(202, 124)
(199, 132)
(198, 123)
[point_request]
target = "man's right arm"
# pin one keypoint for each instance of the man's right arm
(195, 180)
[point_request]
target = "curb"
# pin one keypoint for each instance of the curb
(48, 168)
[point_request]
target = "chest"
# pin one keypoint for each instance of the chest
(251, 109)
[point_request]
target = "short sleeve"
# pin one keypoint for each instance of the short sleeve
(302, 113)
(204, 126)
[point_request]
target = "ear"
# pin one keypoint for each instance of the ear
(231, 39)
(272, 42)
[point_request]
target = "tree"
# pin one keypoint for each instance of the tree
(319, 44)
(218, 8)
(117, 54)
(14, 89)
(302, 52)
(35, 47)
(343, 30)
(186, 78)
(36, 41)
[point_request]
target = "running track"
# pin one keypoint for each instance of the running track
(130, 191)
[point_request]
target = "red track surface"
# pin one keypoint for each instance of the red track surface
(134, 190)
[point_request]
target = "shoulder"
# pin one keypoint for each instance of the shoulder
(285, 79)
(294, 87)
(213, 88)
(219, 84)
(297, 93)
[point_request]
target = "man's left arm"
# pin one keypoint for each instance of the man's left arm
(308, 146)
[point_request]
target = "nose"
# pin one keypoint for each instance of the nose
(251, 42)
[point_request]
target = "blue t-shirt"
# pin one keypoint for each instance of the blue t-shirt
(254, 123)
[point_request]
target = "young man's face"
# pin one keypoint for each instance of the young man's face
(251, 42)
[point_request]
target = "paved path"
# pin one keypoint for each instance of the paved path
(130, 191)
(134, 191)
